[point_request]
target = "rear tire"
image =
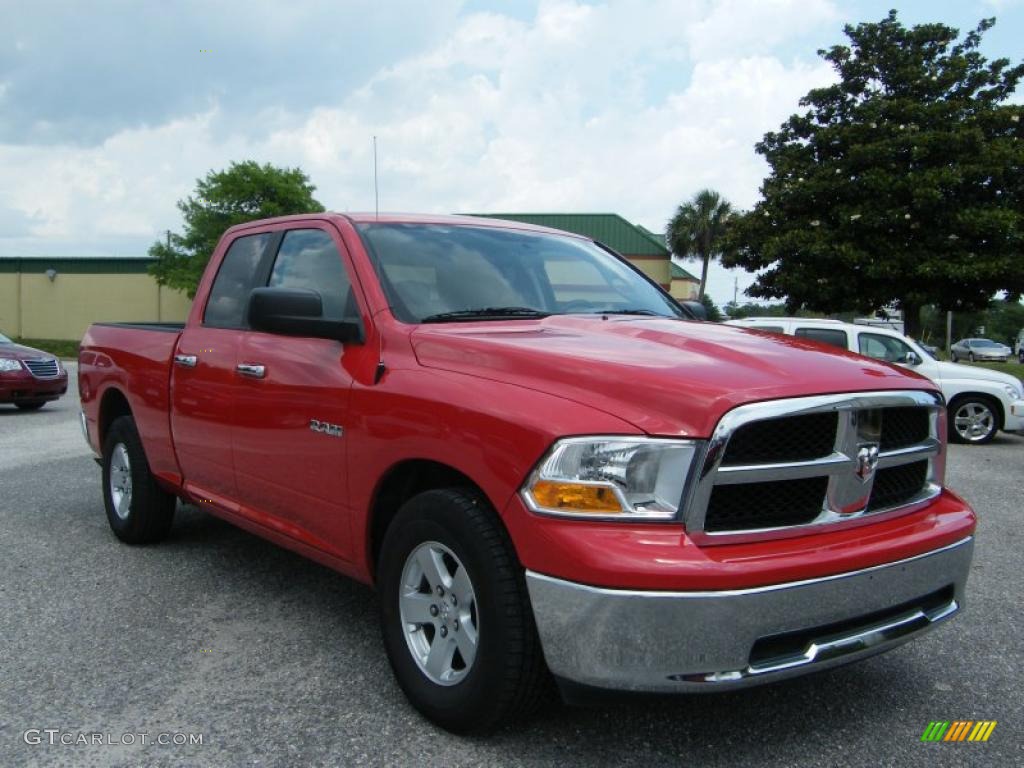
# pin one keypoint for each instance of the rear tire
(139, 511)
(952, 357)
(453, 537)
(31, 405)
(973, 419)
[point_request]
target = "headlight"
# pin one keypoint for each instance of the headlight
(609, 477)
(1013, 392)
(7, 364)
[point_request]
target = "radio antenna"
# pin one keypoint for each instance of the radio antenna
(376, 194)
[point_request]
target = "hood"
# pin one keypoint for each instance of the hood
(667, 377)
(19, 352)
(973, 373)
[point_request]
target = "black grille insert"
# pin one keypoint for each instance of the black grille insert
(897, 485)
(791, 438)
(753, 506)
(903, 427)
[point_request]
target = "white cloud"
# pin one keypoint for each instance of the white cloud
(626, 106)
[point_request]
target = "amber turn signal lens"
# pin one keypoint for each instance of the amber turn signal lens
(575, 497)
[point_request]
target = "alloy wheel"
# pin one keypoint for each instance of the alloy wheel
(437, 605)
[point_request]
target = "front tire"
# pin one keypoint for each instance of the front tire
(455, 614)
(972, 420)
(139, 511)
(1020, 357)
(970, 356)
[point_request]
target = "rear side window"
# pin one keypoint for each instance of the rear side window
(831, 336)
(229, 296)
(308, 259)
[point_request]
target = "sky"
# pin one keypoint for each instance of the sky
(110, 110)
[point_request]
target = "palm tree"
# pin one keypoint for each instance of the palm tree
(698, 230)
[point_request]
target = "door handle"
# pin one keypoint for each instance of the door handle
(252, 370)
(189, 361)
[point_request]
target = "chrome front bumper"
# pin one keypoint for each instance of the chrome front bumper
(700, 641)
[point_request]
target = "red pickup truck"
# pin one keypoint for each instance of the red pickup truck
(544, 465)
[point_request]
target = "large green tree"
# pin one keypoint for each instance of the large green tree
(698, 230)
(901, 183)
(244, 192)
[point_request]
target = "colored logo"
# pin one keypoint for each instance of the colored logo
(958, 730)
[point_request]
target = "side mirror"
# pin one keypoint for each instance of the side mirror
(695, 308)
(912, 359)
(297, 312)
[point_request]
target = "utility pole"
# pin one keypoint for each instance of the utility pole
(949, 330)
(168, 239)
(735, 289)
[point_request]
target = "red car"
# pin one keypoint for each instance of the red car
(29, 378)
(540, 460)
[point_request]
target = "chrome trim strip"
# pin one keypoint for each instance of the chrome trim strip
(848, 495)
(755, 473)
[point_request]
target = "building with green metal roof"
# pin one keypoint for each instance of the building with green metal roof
(639, 245)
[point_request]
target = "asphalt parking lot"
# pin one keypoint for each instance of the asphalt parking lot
(277, 661)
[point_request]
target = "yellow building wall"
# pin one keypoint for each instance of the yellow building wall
(63, 308)
(9, 304)
(684, 290)
(174, 306)
(659, 270)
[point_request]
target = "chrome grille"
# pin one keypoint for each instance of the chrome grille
(43, 368)
(780, 465)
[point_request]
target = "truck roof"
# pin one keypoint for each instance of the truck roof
(369, 217)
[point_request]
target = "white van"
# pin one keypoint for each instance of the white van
(1020, 346)
(980, 401)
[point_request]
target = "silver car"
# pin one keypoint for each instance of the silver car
(979, 349)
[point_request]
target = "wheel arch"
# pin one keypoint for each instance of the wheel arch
(400, 483)
(113, 404)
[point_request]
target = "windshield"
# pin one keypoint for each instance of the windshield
(442, 273)
(984, 343)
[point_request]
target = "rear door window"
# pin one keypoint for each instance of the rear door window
(833, 336)
(237, 275)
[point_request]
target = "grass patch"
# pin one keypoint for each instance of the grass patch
(58, 347)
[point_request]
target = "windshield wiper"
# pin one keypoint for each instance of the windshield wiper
(484, 313)
(649, 312)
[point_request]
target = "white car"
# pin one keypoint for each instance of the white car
(980, 401)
